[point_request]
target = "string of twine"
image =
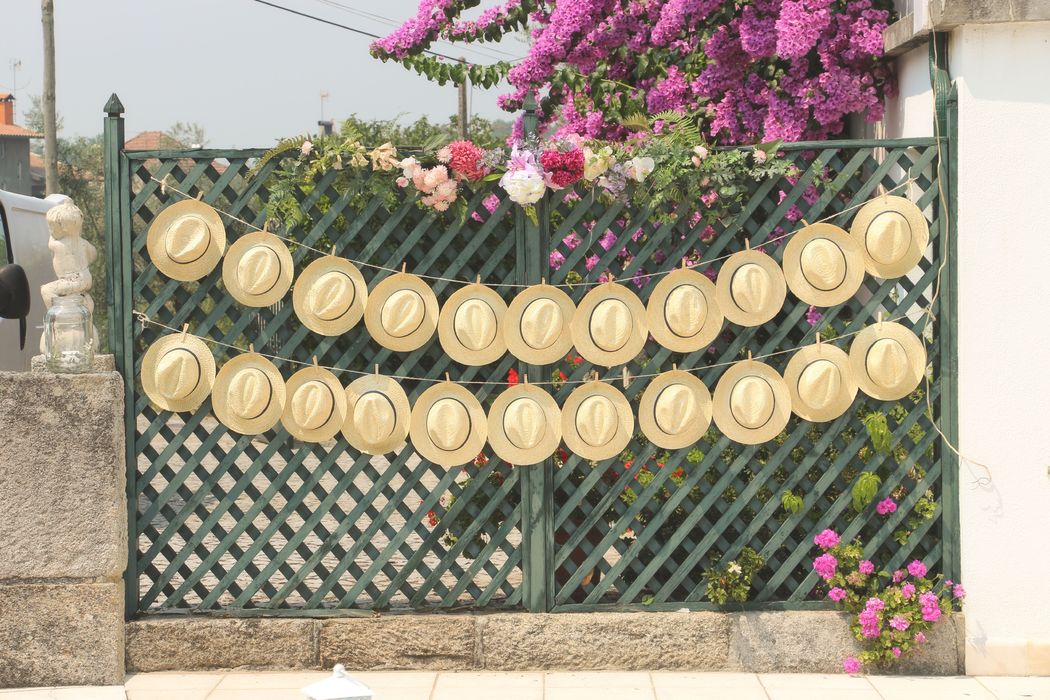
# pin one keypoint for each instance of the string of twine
(146, 320)
(166, 186)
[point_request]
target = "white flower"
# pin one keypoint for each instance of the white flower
(307, 148)
(639, 167)
(595, 163)
(734, 568)
(700, 151)
(760, 156)
(408, 166)
(523, 186)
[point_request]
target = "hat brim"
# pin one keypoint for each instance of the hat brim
(512, 331)
(723, 411)
(842, 400)
(501, 443)
(378, 298)
(795, 272)
(690, 433)
(331, 426)
(310, 276)
(238, 250)
(775, 297)
(206, 374)
(390, 390)
(196, 269)
(581, 326)
(913, 348)
(477, 431)
(918, 228)
(656, 312)
(624, 422)
(268, 414)
(453, 345)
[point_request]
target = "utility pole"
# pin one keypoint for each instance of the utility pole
(463, 104)
(47, 17)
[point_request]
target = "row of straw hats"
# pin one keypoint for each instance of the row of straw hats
(823, 266)
(447, 425)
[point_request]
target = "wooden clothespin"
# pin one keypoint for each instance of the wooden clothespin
(332, 251)
(251, 347)
(200, 196)
(805, 223)
(879, 317)
(185, 330)
(477, 279)
(447, 377)
(749, 356)
(626, 377)
(747, 243)
(525, 378)
(315, 360)
(377, 370)
(404, 266)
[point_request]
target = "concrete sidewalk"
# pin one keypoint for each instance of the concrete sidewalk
(598, 685)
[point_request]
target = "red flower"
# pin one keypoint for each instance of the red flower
(627, 464)
(561, 375)
(563, 455)
(432, 518)
(512, 376)
(562, 168)
(481, 460)
(466, 160)
(577, 360)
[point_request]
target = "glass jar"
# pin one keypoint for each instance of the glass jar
(69, 343)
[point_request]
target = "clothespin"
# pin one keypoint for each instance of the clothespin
(747, 243)
(674, 366)
(251, 347)
(315, 360)
(525, 377)
(200, 196)
(626, 377)
(185, 330)
(447, 378)
(404, 266)
(332, 251)
(882, 192)
(477, 279)
(377, 370)
(880, 320)
(164, 184)
(805, 223)
(543, 281)
(749, 356)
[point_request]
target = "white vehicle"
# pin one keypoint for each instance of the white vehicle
(24, 241)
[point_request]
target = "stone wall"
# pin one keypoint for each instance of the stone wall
(782, 641)
(63, 529)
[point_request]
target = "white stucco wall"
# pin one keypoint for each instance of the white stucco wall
(1004, 358)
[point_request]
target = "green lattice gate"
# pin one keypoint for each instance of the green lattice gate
(222, 522)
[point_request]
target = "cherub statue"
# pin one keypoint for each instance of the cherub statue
(71, 257)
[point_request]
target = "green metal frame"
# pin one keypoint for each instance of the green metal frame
(221, 524)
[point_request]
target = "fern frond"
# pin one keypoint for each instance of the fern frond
(636, 122)
(283, 147)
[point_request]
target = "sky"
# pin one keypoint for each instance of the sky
(248, 73)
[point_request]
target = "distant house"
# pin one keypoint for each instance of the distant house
(15, 174)
(161, 141)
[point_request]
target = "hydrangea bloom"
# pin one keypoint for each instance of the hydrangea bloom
(825, 566)
(827, 539)
(917, 569)
(899, 623)
(886, 506)
(837, 594)
(851, 665)
(907, 591)
(866, 567)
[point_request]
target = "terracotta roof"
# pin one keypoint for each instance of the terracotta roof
(151, 141)
(4, 95)
(15, 131)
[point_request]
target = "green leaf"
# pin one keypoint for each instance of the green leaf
(865, 490)
(648, 600)
(879, 432)
(791, 502)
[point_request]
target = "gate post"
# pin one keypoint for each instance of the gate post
(118, 297)
(537, 481)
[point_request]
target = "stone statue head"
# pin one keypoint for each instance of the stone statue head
(65, 220)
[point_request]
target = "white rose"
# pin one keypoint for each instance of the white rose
(596, 163)
(639, 167)
(307, 148)
(523, 186)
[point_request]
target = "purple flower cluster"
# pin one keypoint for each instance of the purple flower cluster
(826, 539)
(869, 618)
(825, 566)
(931, 606)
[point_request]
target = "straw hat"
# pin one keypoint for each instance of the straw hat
(186, 240)
(315, 407)
(177, 372)
(248, 396)
(377, 414)
(752, 403)
(537, 326)
(330, 295)
(597, 421)
(258, 269)
(888, 361)
(675, 410)
(470, 325)
(893, 235)
(402, 312)
(821, 382)
(823, 265)
(524, 425)
(750, 289)
(682, 312)
(448, 425)
(609, 327)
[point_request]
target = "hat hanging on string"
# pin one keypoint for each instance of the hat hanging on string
(524, 424)
(258, 269)
(448, 426)
(470, 325)
(682, 312)
(538, 324)
(888, 361)
(675, 410)
(402, 312)
(821, 382)
(596, 421)
(752, 403)
(330, 295)
(750, 289)
(609, 327)
(315, 405)
(823, 265)
(186, 240)
(178, 371)
(377, 414)
(893, 235)
(249, 394)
